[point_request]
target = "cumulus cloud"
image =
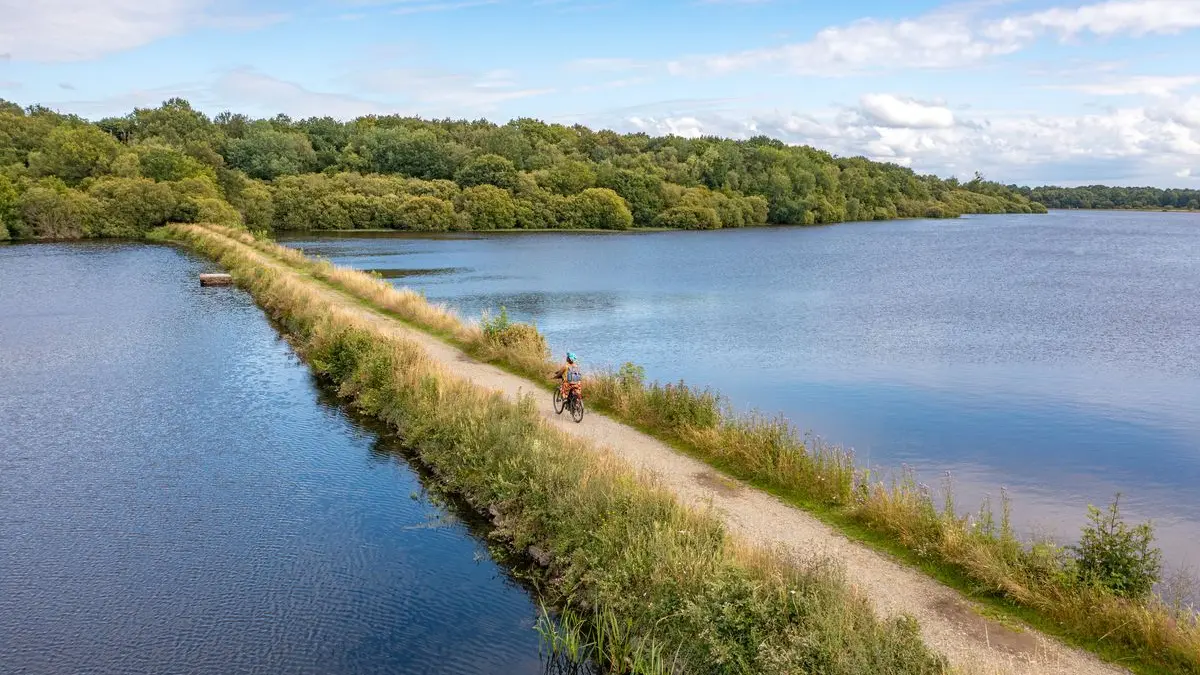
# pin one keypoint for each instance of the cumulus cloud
(887, 110)
(1133, 17)
(948, 38)
(932, 41)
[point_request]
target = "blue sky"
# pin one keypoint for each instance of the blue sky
(1027, 91)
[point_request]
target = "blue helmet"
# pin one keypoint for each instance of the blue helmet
(571, 357)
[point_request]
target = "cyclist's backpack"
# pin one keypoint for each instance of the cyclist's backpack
(574, 375)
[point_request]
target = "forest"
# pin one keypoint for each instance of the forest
(62, 176)
(1105, 197)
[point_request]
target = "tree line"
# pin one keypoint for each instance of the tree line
(62, 176)
(1106, 197)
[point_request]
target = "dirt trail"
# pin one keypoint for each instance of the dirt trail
(949, 622)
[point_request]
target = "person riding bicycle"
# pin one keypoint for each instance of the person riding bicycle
(570, 375)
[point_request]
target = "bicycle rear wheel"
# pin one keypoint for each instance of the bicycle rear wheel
(577, 409)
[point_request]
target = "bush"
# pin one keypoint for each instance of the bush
(1115, 557)
(514, 339)
(487, 170)
(487, 207)
(689, 218)
(426, 213)
(599, 209)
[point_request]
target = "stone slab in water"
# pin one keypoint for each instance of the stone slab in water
(215, 280)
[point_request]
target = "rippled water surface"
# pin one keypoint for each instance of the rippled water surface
(177, 496)
(1057, 356)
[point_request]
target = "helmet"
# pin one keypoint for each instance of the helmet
(571, 357)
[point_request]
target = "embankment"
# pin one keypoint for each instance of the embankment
(1037, 582)
(685, 592)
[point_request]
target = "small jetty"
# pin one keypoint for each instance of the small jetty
(216, 280)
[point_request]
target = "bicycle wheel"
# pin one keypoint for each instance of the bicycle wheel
(577, 409)
(559, 403)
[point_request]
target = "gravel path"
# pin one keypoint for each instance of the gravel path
(949, 622)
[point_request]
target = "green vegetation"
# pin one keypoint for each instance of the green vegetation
(1093, 593)
(1105, 197)
(62, 177)
(665, 580)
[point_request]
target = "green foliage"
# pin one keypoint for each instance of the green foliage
(599, 209)
(425, 213)
(411, 152)
(487, 170)
(689, 218)
(502, 333)
(320, 173)
(51, 211)
(9, 205)
(567, 177)
(165, 163)
(487, 207)
(256, 206)
(73, 153)
(631, 376)
(131, 206)
(268, 154)
(1105, 197)
(641, 190)
(1116, 557)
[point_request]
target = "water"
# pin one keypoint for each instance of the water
(177, 495)
(1057, 356)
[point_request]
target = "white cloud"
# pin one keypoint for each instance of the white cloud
(1137, 85)
(247, 90)
(1133, 17)
(891, 111)
(449, 93)
(73, 30)
(1183, 173)
(947, 38)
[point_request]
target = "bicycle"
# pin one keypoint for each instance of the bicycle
(572, 403)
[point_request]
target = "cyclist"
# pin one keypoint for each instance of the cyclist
(570, 375)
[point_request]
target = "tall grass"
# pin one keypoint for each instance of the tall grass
(770, 451)
(661, 579)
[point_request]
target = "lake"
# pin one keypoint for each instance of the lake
(177, 495)
(1056, 357)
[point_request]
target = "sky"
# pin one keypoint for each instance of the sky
(1024, 91)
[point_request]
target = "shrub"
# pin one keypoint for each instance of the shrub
(689, 218)
(487, 207)
(515, 340)
(599, 209)
(426, 213)
(1116, 557)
